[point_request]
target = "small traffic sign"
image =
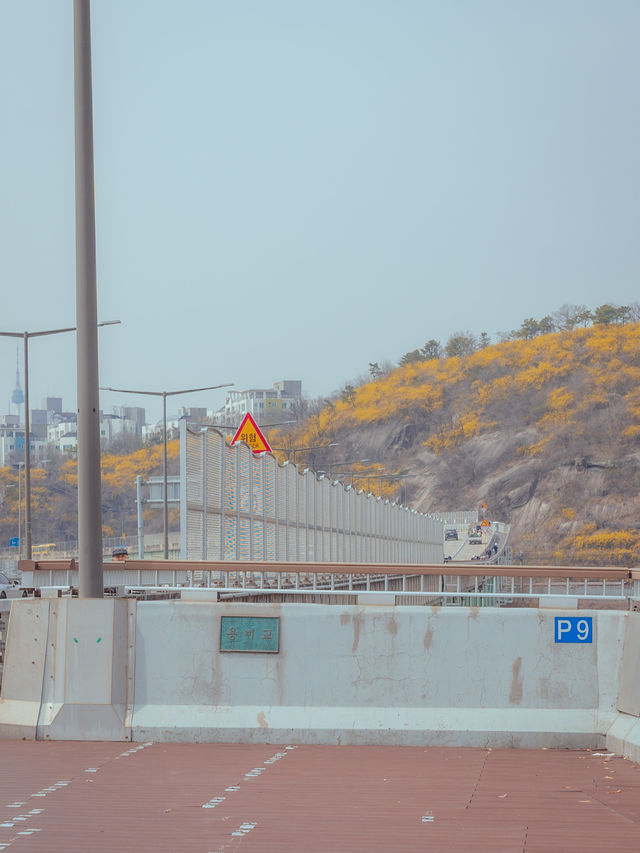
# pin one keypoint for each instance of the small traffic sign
(249, 432)
(14, 543)
(573, 629)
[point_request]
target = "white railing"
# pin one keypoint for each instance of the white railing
(409, 584)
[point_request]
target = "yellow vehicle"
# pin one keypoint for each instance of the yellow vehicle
(43, 550)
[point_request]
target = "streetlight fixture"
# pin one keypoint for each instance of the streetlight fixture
(341, 463)
(384, 478)
(164, 395)
(234, 427)
(27, 426)
(294, 450)
(367, 475)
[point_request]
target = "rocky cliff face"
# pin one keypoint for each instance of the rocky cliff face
(548, 505)
(545, 431)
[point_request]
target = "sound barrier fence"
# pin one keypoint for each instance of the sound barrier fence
(238, 505)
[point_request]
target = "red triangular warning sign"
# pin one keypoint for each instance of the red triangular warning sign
(249, 432)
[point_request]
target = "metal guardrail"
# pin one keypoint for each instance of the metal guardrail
(410, 584)
(153, 546)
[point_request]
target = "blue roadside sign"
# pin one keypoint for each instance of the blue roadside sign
(15, 542)
(574, 629)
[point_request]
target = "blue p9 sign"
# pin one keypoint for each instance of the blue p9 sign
(574, 629)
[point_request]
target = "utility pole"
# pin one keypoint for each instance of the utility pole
(89, 485)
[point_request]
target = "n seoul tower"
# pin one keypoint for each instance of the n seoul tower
(17, 397)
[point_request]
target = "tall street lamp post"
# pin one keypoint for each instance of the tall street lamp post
(164, 395)
(27, 425)
(19, 466)
(90, 556)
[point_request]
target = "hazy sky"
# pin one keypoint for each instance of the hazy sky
(291, 190)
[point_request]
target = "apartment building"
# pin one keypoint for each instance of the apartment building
(266, 405)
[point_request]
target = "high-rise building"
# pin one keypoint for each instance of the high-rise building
(53, 404)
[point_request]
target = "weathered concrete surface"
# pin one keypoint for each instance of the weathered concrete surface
(67, 670)
(409, 675)
(23, 674)
(629, 699)
(624, 735)
(112, 669)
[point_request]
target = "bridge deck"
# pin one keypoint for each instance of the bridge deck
(75, 796)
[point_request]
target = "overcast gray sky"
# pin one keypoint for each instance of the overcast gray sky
(291, 190)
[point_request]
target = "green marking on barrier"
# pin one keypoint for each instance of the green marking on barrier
(99, 640)
(250, 634)
(75, 639)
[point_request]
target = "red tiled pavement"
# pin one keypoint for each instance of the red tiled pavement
(221, 798)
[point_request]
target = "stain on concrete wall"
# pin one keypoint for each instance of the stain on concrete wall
(515, 694)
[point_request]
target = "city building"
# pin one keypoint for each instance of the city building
(266, 405)
(51, 426)
(62, 433)
(12, 443)
(133, 418)
(154, 432)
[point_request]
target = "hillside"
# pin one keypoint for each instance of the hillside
(54, 496)
(545, 431)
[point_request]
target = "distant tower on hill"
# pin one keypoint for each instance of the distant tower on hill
(17, 397)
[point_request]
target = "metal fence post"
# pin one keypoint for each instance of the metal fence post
(223, 473)
(203, 443)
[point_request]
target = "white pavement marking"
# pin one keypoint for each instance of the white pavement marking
(246, 827)
(135, 749)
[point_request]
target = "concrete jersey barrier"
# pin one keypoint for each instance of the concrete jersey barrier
(374, 674)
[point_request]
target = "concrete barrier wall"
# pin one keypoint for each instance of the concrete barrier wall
(624, 735)
(117, 669)
(410, 675)
(69, 670)
(23, 673)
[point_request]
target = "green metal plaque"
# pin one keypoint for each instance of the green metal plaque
(250, 634)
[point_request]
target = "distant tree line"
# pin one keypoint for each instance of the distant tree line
(566, 318)
(461, 344)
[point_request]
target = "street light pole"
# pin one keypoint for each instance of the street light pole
(19, 515)
(165, 480)
(140, 521)
(27, 450)
(164, 395)
(20, 465)
(90, 555)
